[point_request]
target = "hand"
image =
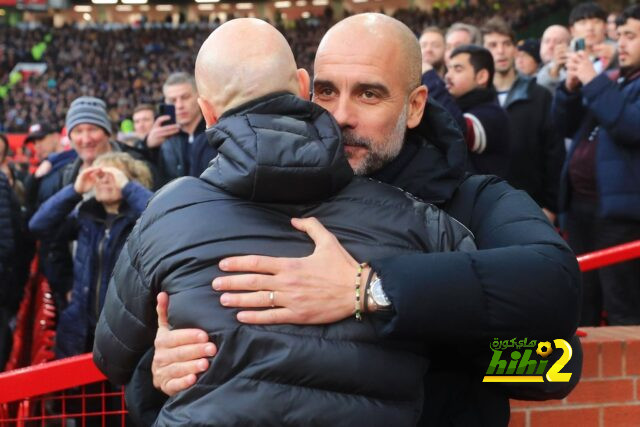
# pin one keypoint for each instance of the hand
(581, 66)
(86, 180)
(560, 55)
(179, 355)
(604, 51)
(550, 215)
(43, 169)
(317, 289)
(159, 133)
(117, 175)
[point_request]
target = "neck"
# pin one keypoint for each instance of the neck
(191, 127)
(111, 208)
(504, 80)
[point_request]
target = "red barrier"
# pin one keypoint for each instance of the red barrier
(609, 256)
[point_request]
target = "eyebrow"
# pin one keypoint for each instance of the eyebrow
(360, 87)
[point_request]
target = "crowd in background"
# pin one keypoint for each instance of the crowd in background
(534, 134)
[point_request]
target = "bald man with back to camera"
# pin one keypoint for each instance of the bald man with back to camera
(280, 157)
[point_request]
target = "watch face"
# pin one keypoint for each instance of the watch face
(378, 294)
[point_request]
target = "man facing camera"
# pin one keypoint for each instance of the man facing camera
(470, 81)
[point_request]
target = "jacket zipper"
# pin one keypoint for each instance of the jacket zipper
(100, 256)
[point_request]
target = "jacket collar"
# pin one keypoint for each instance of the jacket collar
(520, 90)
(278, 148)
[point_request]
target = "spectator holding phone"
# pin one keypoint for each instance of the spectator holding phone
(599, 192)
(171, 139)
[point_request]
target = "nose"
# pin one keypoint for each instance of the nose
(344, 112)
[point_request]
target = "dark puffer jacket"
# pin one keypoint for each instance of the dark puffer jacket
(279, 157)
(100, 238)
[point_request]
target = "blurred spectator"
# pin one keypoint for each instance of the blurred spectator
(537, 150)
(8, 284)
(115, 189)
(460, 34)
(612, 32)
(14, 174)
(553, 52)
(143, 117)
(588, 21)
(45, 138)
(173, 144)
(599, 189)
(528, 57)
(432, 46)
(470, 80)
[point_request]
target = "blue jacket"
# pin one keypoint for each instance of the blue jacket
(99, 241)
(615, 108)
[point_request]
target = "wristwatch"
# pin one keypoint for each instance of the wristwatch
(377, 299)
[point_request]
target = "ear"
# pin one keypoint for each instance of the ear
(304, 82)
(208, 112)
(482, 78)
(417, 101)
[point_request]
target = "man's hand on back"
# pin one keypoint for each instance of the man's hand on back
(179, 354)
(318, 289)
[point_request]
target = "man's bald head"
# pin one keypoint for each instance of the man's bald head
(383, 33)
(242, 60)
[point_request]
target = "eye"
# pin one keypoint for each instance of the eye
(369, 95)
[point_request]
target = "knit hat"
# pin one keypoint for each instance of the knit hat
(88, 109)
(532, 47)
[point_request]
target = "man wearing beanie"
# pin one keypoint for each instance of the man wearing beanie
(89, 130)
(528, 57)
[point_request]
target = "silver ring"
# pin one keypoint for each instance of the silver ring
(272, 298)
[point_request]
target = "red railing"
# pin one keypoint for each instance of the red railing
(609, 256)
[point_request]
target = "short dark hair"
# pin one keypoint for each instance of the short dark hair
(479, 57)
(587, 11)
(500, 26)
(630, 12)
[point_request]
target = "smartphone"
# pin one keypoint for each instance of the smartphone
(167, 110)
(578, 45)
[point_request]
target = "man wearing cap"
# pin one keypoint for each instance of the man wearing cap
(528, 57)
(45, 139)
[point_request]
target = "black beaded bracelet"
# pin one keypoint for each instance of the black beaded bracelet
(361, 267)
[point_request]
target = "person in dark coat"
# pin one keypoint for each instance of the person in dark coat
(537, 149)
(8, 255)
(600, 194)
(522, 280)
(100, 225)
(172, 145)
(280, 157)
(470, 81)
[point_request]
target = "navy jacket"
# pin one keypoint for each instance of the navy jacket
(615, 108)
(8, 205)
(438, 92)
(537, 149)
(99, 241)
(280, 157)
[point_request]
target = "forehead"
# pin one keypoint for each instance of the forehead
(142, 114)
(431, 36)
(85, 127)
(632, 25)
(554, 34)
(459, 60)
(496, 38)
(178, 90)
(592, 21)
(459, 36)
(357, 62)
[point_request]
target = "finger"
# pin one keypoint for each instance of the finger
(244, 282)
(314, 229)
(170, 339)
(161, 309)
(176, 385)
(183, 354)
(161, 119)
(267, 317)
(252, 264)
(253, 299)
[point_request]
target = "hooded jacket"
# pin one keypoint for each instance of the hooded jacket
(279, 157)
(100, 239)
